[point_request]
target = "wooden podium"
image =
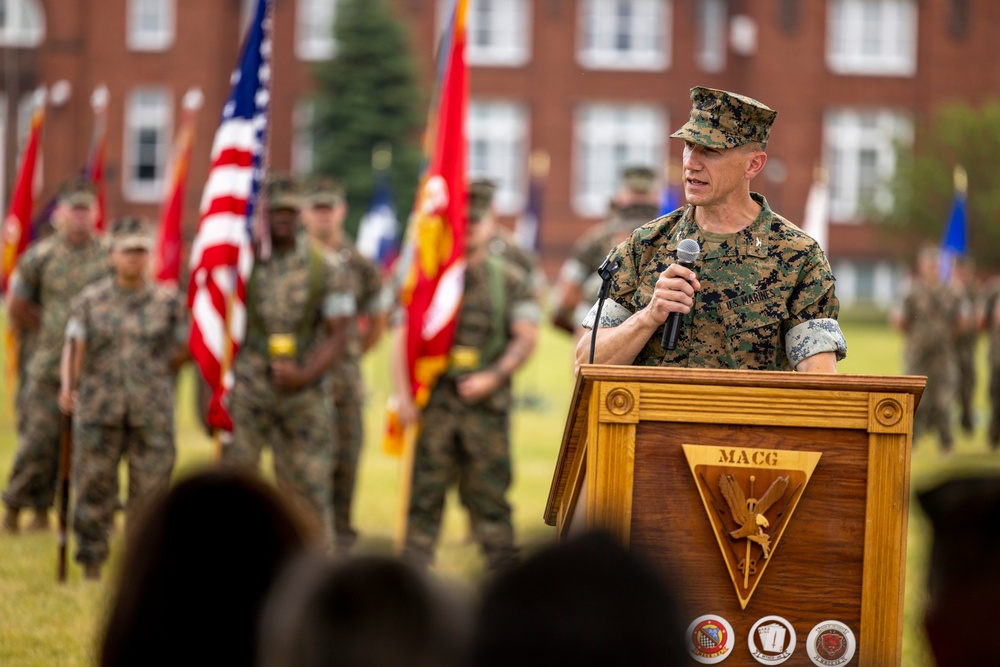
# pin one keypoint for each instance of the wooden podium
(759, 495)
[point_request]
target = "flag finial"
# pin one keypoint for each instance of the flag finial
(538, 163)
(193, 99)
(961, 179)
(99, 98)
(382, 156)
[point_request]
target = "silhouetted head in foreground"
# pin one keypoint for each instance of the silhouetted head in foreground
(963, 582)
(198, 564)
(587, 601)
(371, 611)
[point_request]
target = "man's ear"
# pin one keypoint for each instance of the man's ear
(756, 163)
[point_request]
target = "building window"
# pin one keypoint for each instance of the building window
(713, 16)
(499, 32)
(872, 37)
(22, 23)
(314, 29)
(625, 34)
(607, 138)
(498, 150)
(861, 154)
(147, 137)
(303, 138)
(150, 25)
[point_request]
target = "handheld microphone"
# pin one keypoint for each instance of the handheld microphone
(687, 253)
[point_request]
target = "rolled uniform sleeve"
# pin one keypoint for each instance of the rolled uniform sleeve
(339, 299)
(618, 306)
(524, 306)
(573, 271)
(812, 325)
(76, 326)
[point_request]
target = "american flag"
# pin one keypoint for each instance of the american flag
(221, 254)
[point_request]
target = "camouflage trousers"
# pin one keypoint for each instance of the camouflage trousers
(349, 427)
(36, 463)
(934, 411)
(470, 445)
(966, 357)
(97, 452)
(298, 429)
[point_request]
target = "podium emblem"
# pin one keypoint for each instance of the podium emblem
(749, 495)
(771, 640)
(830, 644)
(710, 639)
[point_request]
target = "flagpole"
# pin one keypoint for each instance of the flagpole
(222, 253)
(95, 157)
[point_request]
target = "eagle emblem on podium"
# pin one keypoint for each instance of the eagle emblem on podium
(748, 526)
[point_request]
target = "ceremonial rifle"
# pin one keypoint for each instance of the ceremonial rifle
(65, 465)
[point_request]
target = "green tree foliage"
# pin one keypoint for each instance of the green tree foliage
(367, 96)
(923, 185)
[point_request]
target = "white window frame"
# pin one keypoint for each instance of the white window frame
(498, 143)
(24, 23)
(138, 36)
(872, 37)
(314, 21)
(303, 138)
(650, 25)
(850, 133)
(606, 138)
(147, 107)
(498, 32)
(713, 31)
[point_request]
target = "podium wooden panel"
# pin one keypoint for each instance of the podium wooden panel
(841, 553)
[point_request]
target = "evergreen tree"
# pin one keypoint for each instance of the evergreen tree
(367, 96)
(923, 185)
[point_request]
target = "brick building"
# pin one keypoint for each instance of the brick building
(594, 83)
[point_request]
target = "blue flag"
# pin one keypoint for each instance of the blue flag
(378, 231)
(955, 242)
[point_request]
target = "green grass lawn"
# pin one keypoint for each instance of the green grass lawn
(44, 624)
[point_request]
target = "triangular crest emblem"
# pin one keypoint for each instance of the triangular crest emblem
(749, 495)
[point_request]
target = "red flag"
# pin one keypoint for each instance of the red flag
(432, 290)
(167, 254)
(95, 155)
(221, 254)
(17, 225)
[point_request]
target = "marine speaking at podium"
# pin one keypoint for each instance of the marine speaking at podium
(756, 293)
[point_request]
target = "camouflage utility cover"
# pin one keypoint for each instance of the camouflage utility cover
(766, 302)
(720, 119)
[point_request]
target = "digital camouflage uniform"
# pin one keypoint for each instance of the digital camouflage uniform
(965, 353)
(930, 312)
(579, 271)
(49, 274)
(291, 293)
(766, 301)
(125, 401)
(991, 314)
(348, 387)
(592, 249)
(504, 245)
(470, 443)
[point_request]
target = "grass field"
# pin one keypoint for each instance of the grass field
(46, 624)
